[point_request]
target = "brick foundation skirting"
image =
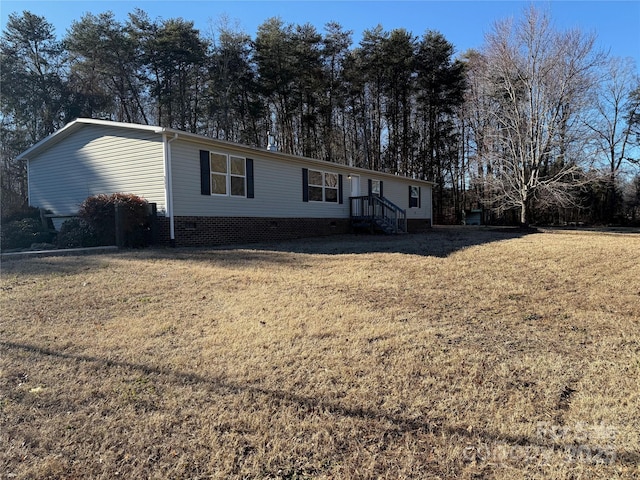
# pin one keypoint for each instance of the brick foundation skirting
(415, 225)
(211, 231)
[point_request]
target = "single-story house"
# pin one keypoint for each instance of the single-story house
(213, 192)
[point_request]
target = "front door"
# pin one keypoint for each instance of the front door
(356, 205)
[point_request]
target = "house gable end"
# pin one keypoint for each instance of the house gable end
(95, 159)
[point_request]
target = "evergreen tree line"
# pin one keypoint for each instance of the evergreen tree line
(545, 138)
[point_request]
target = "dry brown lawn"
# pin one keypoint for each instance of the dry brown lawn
(459, 353)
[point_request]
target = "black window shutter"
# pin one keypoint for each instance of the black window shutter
(340, 192)
(305, 185)
(419, 197)
(410, 196)
(250, 193)
(205, 173)
(369, 186)
(381, 191)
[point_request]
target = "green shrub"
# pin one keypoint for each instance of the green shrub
(76, 233)
(22, 233)
(20, 214)
(98, 211)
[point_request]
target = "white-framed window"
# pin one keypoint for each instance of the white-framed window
(414, 197)
(228, 175)
(375, 187)
(237, 176)
(323, 186)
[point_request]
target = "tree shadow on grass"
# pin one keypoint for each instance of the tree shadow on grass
(440, 241)
(308, 405)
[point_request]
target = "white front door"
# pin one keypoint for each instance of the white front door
(355, 192)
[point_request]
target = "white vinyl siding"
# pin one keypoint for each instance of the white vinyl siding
(397, 191)
(278, 188)
(94, 160)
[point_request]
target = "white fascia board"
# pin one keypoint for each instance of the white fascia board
(110, 123)
(74, 125)
(57, 134)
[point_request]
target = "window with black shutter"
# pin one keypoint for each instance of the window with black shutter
(226, 175)
(319, 186)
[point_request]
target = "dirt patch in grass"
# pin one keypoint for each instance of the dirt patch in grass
(459, 353)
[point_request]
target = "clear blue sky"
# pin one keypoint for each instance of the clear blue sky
(463, 23)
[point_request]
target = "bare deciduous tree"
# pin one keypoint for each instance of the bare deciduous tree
(539, 80)
(610, 122)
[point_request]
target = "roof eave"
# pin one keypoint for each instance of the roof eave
(281, 155)
(73, 125)
(57, 134)
(77, 123)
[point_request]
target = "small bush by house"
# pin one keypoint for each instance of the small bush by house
(13, 215)
(98, 212)
(75, 233)
(23, 233)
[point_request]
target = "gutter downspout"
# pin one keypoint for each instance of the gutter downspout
(28, 182)
(166, 142)
(431, 205)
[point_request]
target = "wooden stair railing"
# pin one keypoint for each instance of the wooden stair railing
(375, 212)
